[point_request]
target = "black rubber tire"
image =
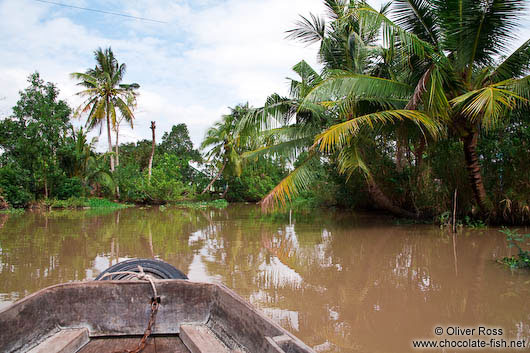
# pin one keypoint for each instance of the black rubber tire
(156, 268)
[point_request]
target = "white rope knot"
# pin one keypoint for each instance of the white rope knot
(141, 275)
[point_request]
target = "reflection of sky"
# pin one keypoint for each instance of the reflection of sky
(286, 318)
(7, 299)
(197, 270)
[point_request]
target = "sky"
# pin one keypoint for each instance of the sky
(208, 55)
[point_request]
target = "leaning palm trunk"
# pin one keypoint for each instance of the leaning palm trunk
(214, 179)
(383, 202)
(475, 176)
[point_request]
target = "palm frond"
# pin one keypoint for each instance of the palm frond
(350, 160)
(290, 148)
(515, 65)
(341, 134)
(486, 105)
(359, 87)
(416, 16)
(484, 29)
(409, 42)
(436, 102)
(308, 30)
(298, 180)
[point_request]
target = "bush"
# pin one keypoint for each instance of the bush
(13, 182)
(166, 184)
(68, 187)
(256, 180)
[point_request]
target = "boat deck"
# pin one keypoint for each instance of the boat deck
(156, 344)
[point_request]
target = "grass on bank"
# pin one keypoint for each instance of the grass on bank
(82, 202)
(220, 203)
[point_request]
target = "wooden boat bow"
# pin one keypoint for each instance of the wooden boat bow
(122, 308)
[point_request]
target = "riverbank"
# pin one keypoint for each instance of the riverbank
(74, 203)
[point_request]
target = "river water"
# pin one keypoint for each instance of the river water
(340, 281)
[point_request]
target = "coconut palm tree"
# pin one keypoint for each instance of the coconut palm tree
(105, 94)
(348, 48)
(225, 142)
(466, 78)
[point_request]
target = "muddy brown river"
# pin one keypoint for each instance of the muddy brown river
(340, 281)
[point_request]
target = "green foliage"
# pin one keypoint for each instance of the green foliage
(82, 202)
(167, 183)
(13, 211)
(68, 187)
(474, 223)
(104, 203)
(14, 182)
(256, 180)
(32, 138)
(514, 239)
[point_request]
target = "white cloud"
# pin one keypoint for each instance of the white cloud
(206, 57)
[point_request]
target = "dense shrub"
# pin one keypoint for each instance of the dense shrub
(166, 184)
(68, 187)
(256, 180)
(13, 185)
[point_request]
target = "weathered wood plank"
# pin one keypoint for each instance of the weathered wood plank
(97, 345)
(64, 341)
(171, 344)
(199, 339)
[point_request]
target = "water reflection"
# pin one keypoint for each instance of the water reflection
(342, 283)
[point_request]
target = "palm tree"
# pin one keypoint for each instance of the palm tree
(348, 48)
(465, 79)
(86, 165)
(104, 93)
(225, 141)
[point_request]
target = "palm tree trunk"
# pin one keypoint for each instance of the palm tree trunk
(109, 137)
(117, 143)
(383, 202)
(475, 177)
(214, 179)
(117, 156)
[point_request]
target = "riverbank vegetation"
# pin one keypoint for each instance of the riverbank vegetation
(520, 242)
(419, 110)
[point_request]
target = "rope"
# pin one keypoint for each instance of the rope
(140, 275)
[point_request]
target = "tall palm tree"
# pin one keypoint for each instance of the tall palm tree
(466, 77)
(104, 92)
